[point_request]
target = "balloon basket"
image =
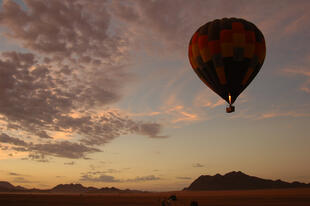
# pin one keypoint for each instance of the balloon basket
(230, 109)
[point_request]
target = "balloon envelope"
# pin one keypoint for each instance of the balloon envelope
(226, 55)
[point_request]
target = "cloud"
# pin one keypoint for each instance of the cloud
(150, 129)
(35, 100)
(69, 163)
(4, 138)
(101, 178)
(107, 178)
(95, 173)
(37, 156)
(206, 99)
(275, 114)
(143, 179)
(280, 111)
(169, 113)
(197, 165)
(298, 24)
(304, 72)
(180, 114)
(60, 28)
(106, 171)
(164, 16)
(64, 149)
(14, 174)
(294, 16)
(40, 151)
(173, 23)
(21, 180)
(298, 71)
(186, 117)
(74, 69)
(58, 176)
(39, 103)
(43, 134)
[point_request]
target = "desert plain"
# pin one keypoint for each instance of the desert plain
(266, 197)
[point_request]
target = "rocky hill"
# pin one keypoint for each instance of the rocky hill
(239, 181)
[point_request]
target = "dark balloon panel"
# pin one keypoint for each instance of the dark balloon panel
(227, 54)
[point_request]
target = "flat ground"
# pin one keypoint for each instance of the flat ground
(283, 197)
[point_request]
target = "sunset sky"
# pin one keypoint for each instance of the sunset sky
(101, 92)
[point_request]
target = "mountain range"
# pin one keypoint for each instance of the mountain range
(63, 188)
(230, 181)
(240, 181)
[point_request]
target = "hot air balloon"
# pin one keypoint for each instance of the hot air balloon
(227, 54)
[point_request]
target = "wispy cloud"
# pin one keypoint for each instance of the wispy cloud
(100, 178)
(21, 180)
(143, 178)
(109, 178)
(305, 72)
(274, 114)
(206, 99)
(197, 165)
(14, 174)
(176, 112)
(58, 176)
(69, 163)
(185, 117)
(298, 71)
(171, 114)
(105, 171)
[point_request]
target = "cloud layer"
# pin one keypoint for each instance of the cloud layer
(73, 71)
(109, 178)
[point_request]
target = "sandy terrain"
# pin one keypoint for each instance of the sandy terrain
(283, 197)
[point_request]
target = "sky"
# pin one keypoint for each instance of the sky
(101, 93)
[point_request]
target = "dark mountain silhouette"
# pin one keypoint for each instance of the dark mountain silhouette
(71, 188)
(239, 181)
(63, 188)
(78, 188)
(8, 187)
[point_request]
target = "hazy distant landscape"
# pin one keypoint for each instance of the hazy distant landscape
(233, 188)
(230, 181)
